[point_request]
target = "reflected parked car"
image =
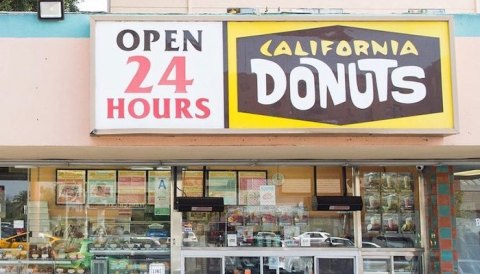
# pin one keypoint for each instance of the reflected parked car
(189, 238)
(396, 241)
(339, 242)
(370, 245)
(316, 238)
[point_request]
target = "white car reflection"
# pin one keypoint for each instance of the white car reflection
(314, 238)
(189, 238)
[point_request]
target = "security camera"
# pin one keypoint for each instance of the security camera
(420, 168)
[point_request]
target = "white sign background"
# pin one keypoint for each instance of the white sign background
(113, 74)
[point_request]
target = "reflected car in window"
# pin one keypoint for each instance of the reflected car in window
(339, 242)
(370, 245)
(395, 241)
(189, 238)
(314, 238)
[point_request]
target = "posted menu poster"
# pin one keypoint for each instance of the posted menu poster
(132, 187)
(390, 223)
(159, 191)
(235, 216)
(223, 184)
(373, 221)
(102, 187)
(372, 181)
(252, 216)
(70, 187)
(267, 195)
(408, 223)
(192, 183)
(249, 186)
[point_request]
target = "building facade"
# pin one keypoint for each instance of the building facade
(102, 197)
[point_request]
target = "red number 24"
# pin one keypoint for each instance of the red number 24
(177, 63)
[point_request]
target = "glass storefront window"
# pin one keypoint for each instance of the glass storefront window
(391, 214)
(13, 202)
(91, 220)
(336, 266)
(467, 219)
(203, 265)
(268, 207)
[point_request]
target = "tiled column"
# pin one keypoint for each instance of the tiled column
(441, 220)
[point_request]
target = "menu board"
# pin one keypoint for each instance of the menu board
(70, 187)
(132, 187)
(192, 181)
(223, 184)
(249, 186)
(101, 187)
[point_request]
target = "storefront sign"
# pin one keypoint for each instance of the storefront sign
(158, 75)
(340, 75)
(390, 76)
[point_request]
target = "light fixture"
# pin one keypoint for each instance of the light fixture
(50, 9)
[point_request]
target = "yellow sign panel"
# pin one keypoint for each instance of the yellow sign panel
(340, 75)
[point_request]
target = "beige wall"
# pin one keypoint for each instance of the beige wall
(349, 6)
(47, 116)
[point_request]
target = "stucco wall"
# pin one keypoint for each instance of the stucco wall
(45, 108)
(215, 6)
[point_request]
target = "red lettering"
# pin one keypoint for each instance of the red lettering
(145, 105)
(119, 107)
(140, 75)
(180, 81)
(201, 105)
(182, 106)
(157, 109)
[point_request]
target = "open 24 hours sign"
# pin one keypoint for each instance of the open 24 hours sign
(376, 76)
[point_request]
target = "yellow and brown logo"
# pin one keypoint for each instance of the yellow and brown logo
(336, 75)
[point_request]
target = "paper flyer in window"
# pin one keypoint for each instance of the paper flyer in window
(389, 182)
(390, 202)
(408, 223)
(390, 223)
(373, 222)
(372, 180)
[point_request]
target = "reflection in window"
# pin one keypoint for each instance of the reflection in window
(335, 266)
(467, 190)
(242, 265)
(203, 265)
(264, 211)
